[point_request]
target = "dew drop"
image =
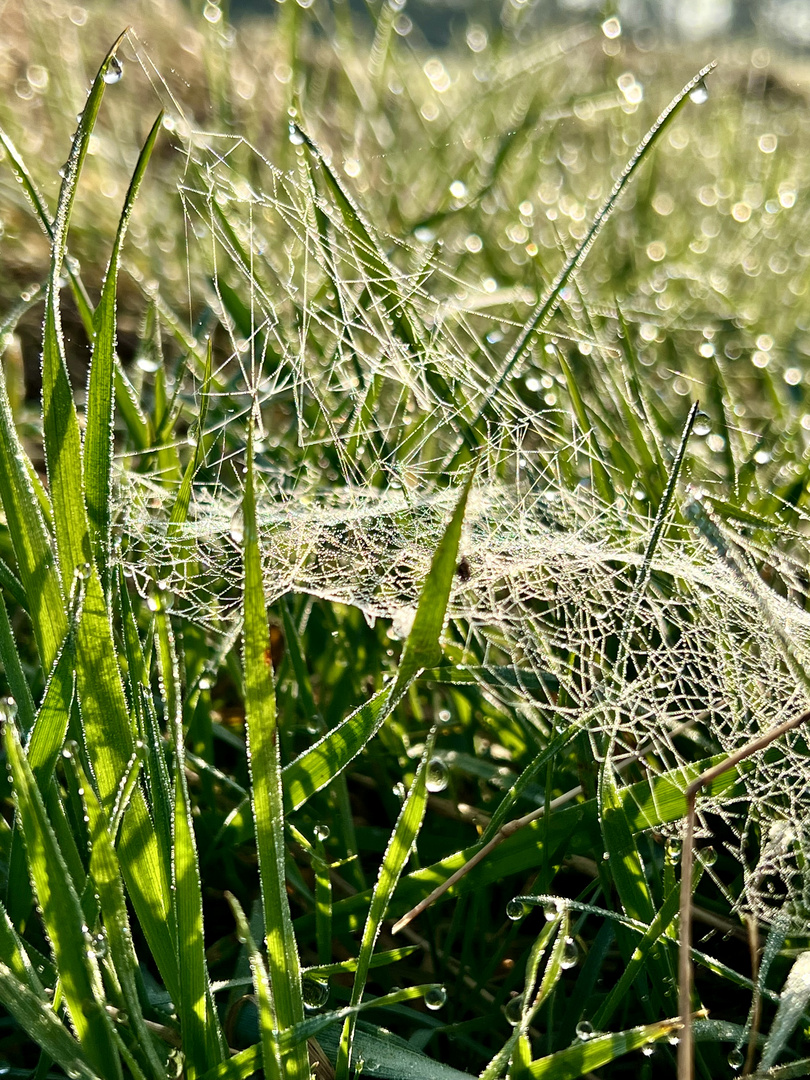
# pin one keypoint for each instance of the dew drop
(515, 910)
(435, 997)
(708, 856)
(703, 424)
(551, 911)
(314, 992)
(673, 850)
(445, 716)
(584, 1030)
(570, 954)
(736, 1059)
(114, 72)
(236, 530)
(700, 94)
(648, 1050)
(321, 832)
(514, 1010)
(437, 775)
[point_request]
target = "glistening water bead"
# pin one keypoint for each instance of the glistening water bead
(314, 992)
(436, 776)
(515, 910)
(570, 954)
(513, 1010)
(114, 72)
(435, 997)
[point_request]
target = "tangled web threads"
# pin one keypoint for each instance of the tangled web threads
(362, 367)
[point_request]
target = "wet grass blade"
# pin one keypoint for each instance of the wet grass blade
(41, 1023)
(61, 438)
(36, 562)
(98, 436)
(266, 797)
(592, 1054)
(63, 918)
(199, 1024)
(396, 855)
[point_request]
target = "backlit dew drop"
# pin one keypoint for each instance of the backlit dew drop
(736, 1059)
(570, 954)
(513, 1009)
(236, 530)
(296, 138)
(700, 94)
(314, 992)
(515, 910)
(114, 72)
(648, 1050)
(321, 832)
(435, 997)
(673, 849)
(708, 856)
(436, 775)
(551, 911)
(584, 1030)
(703, 424)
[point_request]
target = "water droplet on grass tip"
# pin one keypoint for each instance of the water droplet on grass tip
(515, 910)
(435, 997)
(736, 1059)
(314, 992)
(700, 94)
(321, 832)
(437, 775)
(703, 424)
(114, 72)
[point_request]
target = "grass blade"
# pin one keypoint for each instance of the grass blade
(98, 437)
(594, 1053)
(62, 441)
(63, 918)
(266, 797)
(396, 855)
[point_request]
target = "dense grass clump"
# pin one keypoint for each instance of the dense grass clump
(404, 623)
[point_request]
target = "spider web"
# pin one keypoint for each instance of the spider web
(361, 357)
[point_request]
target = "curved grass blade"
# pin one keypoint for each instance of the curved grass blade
(396, 855)
(83, 303)
(98, 436)
(541, 315)
(266, 797)
(63, 919)
(62, 441)
(32, 544)
(41, 1023)
(594, 1053)
(268, 1027)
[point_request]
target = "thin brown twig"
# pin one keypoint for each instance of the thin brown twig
(686, 1055)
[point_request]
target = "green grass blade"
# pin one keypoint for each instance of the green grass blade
(626, 869)
(43, 1026)
(266, 796)
(199, 1024)
(98, 436)
(638, 960)
(17, 682)
(396, 855)
(62, 441)
(422, 648)
(33, 549)
(37, 201)
(268, 1027)
(15, 954)
(63, 918)
(594, 1053)
(106, 877)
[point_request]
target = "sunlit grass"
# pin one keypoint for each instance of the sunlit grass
(367, 575)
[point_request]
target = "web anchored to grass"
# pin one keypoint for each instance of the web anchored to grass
(571, 605)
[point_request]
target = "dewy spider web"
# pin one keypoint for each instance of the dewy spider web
(361, 361)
